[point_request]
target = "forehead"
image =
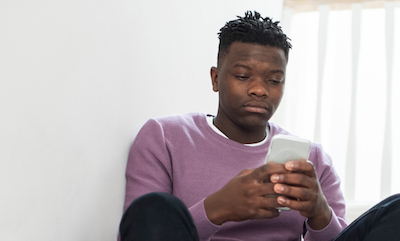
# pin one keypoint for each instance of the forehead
(248, 52)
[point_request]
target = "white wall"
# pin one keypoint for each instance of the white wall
(77, 81)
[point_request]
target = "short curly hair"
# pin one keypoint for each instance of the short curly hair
(252, 28)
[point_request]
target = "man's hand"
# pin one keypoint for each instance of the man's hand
(302, 185)
(244, 197)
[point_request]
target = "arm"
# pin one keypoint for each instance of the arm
(148, 168)
(330, 185)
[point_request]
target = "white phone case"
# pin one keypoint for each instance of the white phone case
(284, 148)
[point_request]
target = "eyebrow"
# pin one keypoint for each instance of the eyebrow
(242, 66)
(275, 71)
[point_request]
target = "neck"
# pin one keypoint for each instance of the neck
(244, 135)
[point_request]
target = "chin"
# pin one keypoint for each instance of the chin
(256, 123)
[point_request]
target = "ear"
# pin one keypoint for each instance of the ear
(214, 78)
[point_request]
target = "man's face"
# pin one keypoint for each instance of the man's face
(250, 80)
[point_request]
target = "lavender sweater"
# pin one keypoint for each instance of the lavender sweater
(183, 156)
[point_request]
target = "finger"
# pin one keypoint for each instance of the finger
(302, 206)
(267, 189)
(303, 165)
(297, 179)
(266, 213)
(265, 171)
(267, 205)
(269, 201)
(261, 207)
(299, 193)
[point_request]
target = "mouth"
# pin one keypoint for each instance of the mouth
(256, 107)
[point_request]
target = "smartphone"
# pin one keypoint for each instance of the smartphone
(284, 148)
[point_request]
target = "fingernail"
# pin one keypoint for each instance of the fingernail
(279, 188)
(281, 200)
(289, 165)
(274, 178)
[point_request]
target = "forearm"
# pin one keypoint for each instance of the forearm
(320, 221)
(323, 217)
(215, 210)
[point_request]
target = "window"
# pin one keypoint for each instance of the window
(342, 89)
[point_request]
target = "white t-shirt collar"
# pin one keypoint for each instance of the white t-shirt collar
(210, 119)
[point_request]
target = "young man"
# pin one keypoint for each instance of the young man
(197, 158)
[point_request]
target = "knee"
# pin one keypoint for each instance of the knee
(157, 198)
(396, 196)
(393, 200)
(154, 202)
(150, 198)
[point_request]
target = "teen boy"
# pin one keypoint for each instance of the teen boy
(197, 157)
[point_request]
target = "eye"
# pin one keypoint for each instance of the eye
(273, 81)
(242, 77)
(276, 81)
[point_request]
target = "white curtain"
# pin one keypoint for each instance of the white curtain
(341, 91)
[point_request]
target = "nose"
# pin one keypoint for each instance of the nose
(258, 88)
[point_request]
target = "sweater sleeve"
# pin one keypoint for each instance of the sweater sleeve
(149, 169)
(330, 184)
(206, 229)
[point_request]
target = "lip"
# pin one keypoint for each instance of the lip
(256, 107)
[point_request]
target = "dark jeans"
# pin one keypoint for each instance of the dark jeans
(380, 223)
(161, 216)
(157, 216)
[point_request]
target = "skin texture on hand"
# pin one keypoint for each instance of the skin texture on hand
(302, 185)
(250, 195)
(244, 198)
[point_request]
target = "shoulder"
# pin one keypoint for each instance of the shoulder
(177, 123)
(188, 118)
(174, 128)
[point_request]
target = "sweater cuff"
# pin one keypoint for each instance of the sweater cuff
(205, 228)
(333, 229)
